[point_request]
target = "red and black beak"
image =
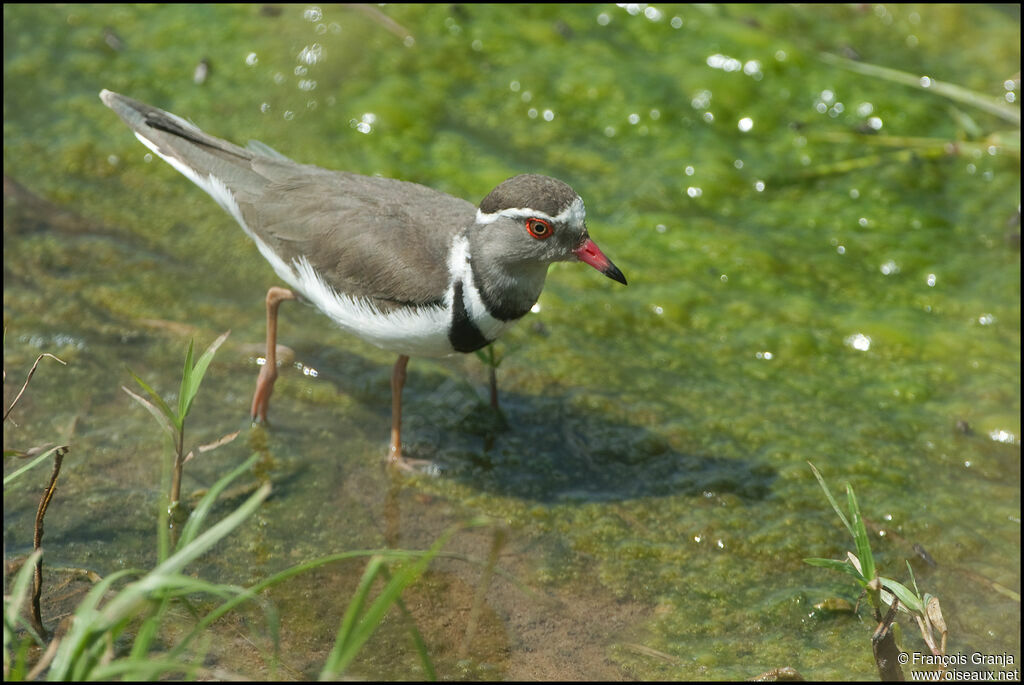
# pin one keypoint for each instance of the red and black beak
(590, 253)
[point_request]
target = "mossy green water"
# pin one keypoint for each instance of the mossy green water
(823, 266)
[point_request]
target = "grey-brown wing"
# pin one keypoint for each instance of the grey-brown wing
(370, 237)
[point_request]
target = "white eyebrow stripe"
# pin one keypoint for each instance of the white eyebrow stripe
(574, 214)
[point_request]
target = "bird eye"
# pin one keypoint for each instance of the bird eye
(539, 228)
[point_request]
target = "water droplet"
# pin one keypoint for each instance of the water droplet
(858, 341)
(311, 54)
(653, 13)
(701, 100)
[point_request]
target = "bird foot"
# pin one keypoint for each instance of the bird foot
(423, 467)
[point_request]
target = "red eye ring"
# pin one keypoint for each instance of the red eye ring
(539, 228)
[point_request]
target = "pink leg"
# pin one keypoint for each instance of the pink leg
(397, 383)
(395, 457)
(268, 374)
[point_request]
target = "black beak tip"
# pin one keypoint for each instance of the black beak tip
(613, 273)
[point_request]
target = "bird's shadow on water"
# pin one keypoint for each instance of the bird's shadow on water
(546, 448)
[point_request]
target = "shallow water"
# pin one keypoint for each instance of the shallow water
(823, 266)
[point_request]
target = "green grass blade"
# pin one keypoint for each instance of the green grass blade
(195, 374)
(174, 585)
(11, 477)
(70, 662)
(202, 543)
(905, 594)
(186, 383)
(913, 579)
(165, 409)
(148, 668)
(832, 500)
(381, 605)
(202, 510)
(19, 591)
(379, 608)
(990, 104)
(344, 640)
(147, 632)
(489, 357)
(418, 642)
(860, 536)
(164, 422)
